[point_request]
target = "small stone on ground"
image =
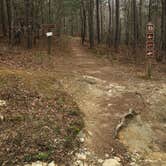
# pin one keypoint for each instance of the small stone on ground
(111, 162)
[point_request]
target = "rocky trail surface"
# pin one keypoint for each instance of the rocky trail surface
(106, 94)
(124, 113)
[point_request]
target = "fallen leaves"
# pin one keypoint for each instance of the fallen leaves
(31, 122)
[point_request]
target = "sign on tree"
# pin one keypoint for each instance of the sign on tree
(149, 47)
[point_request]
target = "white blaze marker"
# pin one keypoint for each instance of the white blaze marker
(49, 34)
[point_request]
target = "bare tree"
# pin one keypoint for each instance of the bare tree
(134, 26)
(140, 21)
(49, 11)
(150, 11)
(59, 16)
(163, 26)
(28, 23)
(90, 19)
(9, 14)
(98, 20)
(3, 17)
(116, 43)
(110, 23)
(83, 21)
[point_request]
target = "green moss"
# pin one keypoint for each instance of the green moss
(74, 112)
(28, 158)
(73, 130)
(57, 130)
(42, 156)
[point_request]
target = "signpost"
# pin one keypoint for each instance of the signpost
(49, 36)
(49, 30)
(149, 48)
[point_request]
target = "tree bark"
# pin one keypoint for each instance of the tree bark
(91, 26)
(116, 43)
(140, 22)
(134, 26)
(127, 21)
(3, 17)
(9, 14)
(83, 21)
(49, 12)
(28, 23)
(150, 11)
(98, 21)
(110, 23)
(113, 21)
(101, 21)
(59, 17)
(163, 26)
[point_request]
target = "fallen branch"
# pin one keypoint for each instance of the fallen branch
(123, 122)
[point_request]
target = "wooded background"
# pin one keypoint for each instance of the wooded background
(110, 22)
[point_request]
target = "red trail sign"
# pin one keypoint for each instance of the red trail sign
(149, 47)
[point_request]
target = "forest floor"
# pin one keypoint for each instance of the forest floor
(106, 92)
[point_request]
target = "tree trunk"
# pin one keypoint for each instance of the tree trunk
(134, 26)
(42, 12)
(116, 43)
(91, 28)
(98, 21)
(110, 23)
(113, 21)
(72, 25)
(101, 20)
(83, 21)
(3, 17)
(9, 14)
(49, 12)
(163, 26)
(150, 11)
(59, 17)
(28, 23)
(140, 22)
(127, 21)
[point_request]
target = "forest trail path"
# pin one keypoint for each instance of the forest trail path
(105, 92)
(87, 91)
(91, 86)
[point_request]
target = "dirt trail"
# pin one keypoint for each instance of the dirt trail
(106, 92)
(92, 94)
